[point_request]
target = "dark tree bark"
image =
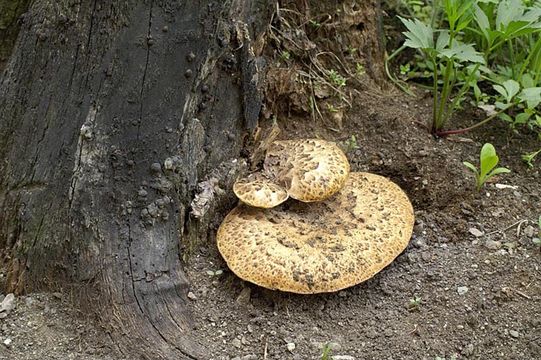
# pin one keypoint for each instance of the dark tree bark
(120, 127)
(10, 11)
(112, 113)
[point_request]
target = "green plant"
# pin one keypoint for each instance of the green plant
(414, 303)
(285, 55)
(528, 158)
(336, 79)
(508, 33)
(488, 160)
(214, 272)
(447, 55)
(326, 353)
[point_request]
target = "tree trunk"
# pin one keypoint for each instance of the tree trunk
(113, 112)
(121, 130)
(10, 11)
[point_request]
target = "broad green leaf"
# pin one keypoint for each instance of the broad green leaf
(522, 118)
(443, 40)
(488, 159)
(419, 36)
(482, 21)
(505, 117)
(512, 88)
(500, 89)
(532, 96)
(463, 52)
(471, 167)
(508, 10)
(497, 171)
(527, 81)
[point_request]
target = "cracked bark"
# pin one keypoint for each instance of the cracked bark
(95, 93)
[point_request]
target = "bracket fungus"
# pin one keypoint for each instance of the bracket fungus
(258, 191)
(306, 170)
(321, 246)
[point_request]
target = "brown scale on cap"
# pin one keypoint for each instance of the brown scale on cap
(323, 246)
(257, 190)
(311, 170)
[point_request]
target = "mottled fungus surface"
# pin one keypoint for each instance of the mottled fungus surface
(258, 191)
(320, 246)
(310, 170)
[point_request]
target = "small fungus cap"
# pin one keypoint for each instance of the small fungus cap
(256, 190)
(319, 247)
(310, 170)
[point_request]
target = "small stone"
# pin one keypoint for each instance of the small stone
(7, 342)
(190, 57)
(8, 303)
(468, 350)
(142, 193)
(476, 232)
(188, 73)
(342, 294)
(343, 357)
(3, 315)
(168, 164)
(290, 346)
(334, 346)
(204, 89)
(191, 296)
(493, 245)
(244, 296)
(461, 290)
(514, 333)
(165, 28)
(249, 357)
(419, 242)
(529, 231)
(57, 295)
(236, 343)
(156, 167)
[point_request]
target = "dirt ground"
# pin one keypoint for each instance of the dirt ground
(468, 285)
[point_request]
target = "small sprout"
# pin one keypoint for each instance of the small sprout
(488, 161)
(528, 158)
(332, 108)
(352, 50)
(359, 69)
(285, 55)
(405, 69)
(314, 24)
(215, 273)
(336, 79)
(414, 303)
(351, 144)
(537, 240)
(326, 354)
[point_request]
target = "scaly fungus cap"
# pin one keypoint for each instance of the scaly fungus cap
(310, 170)
(256, 190)
(319, 247)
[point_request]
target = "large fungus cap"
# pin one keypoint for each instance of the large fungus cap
(256, 190)
(319, 247)
(311, 170)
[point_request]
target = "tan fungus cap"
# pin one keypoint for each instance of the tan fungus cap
(310, 170)
(256, 190)
(319, 247)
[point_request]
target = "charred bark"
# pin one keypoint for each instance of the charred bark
(116, 116)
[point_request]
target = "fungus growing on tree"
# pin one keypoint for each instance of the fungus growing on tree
(319, 246)
(306, 170)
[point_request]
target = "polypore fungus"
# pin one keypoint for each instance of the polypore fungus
(319, 246)
(257, 190)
